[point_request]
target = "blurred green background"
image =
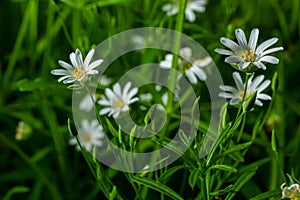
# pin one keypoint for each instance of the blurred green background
(36, 34)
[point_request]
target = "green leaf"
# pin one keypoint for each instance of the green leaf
(41, 153)
(194, 176)
(15, 190)
(237, 148)
(268, 195)
(170, 172)
(273, 141)
(156, 186)
(223, 191)
(26, 85)
(113, 193)
(242, 180)
(224, 168)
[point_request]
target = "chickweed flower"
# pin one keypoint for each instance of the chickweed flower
(254, 85)
(90, 133)
(79, 70)
(292, 192)
(246, 54)
(117, 101)
(190, 66)
(191, 7)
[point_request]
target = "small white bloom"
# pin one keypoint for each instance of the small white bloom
(254, 84)
(104, 80)
(146, 97)
(90, 134)
(87, 103)
(80, 69)
(190, 66)
(243, 54)
(292, 192)
(191, 7)
(117, 101)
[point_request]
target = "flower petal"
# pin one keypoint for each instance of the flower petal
(260, 65)
(238, 81)
(224, 52)
(269, 59)
(241, 38)
(190, 15)
(94, 64)
(233, 59)
(60, 72)
(65, 65)
(230, 44)
(253, 38)
(271, 51)
(235, 100)
(88, 58)
(264, 85)
(265, 45)
(264, 97)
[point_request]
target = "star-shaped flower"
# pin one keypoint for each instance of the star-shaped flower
(244, 54)
(90, 133)
(80, 69)
(254, 85)
(191, 7)
(117, 101)
(193, 68)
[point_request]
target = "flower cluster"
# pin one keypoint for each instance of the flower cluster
(247, 57)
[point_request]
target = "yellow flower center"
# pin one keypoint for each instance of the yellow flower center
(247, 95)
(119, 104)
(86, 137)
(249, 56)
(184, 66)
(80, 72)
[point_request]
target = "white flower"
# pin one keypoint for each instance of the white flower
(117, 101)
(236, 94)
(80, 69)
(146, 97)
(104, 80)
(191, 7)
(87, 103)
(190, 66)
(90, 134)
(292, 192)
(245, 53)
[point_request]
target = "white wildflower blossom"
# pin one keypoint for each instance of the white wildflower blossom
(193, 68)
(244, 54)
(192, 6)
(256, 84)
(291, 192)
(80, 69)
(90, 133)
(117, 101)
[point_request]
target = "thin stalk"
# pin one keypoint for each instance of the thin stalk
(177, 43)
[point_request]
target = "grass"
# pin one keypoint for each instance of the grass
(256, 152)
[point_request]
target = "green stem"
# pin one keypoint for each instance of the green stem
(177, 44)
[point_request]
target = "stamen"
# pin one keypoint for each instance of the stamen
(119, 104)
(80, 72)
(248, 94)
(86, 137)
(249, 56)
